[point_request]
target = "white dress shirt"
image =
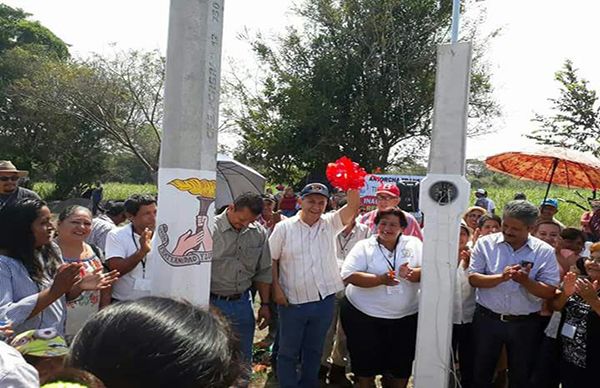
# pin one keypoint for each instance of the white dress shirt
(344, 244)
(308, 268)
(464, 296)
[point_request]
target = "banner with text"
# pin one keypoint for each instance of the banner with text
(372, 181)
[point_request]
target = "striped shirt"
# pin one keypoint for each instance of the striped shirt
(101, 225)
(308, 269)
(19, 295)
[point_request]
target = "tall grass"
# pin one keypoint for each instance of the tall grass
(112, 190)
(568, 213)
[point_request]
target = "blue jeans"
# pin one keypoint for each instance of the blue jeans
(241, 317)
(302, 330)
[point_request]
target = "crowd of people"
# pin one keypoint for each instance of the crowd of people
(337, 287)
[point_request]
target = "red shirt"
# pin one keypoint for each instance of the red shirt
(287, 203)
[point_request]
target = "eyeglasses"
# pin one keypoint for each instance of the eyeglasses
(594, 259)
(384, 198)
(9, 178)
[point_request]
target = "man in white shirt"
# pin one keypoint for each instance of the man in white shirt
(15, 372)
(128, 246)
(305, 280)
(335, 341)
(113, 216)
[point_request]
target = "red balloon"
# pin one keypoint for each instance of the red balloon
(346, 174)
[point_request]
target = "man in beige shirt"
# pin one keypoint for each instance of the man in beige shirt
(241, 259)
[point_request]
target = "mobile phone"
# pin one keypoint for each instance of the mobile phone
(582, 276)
(525, 263)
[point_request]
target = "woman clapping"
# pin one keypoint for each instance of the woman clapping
(381, 304)
(74, 226)
(35, 283)
(579, 332)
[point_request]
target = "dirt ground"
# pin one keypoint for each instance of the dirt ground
(263, 376)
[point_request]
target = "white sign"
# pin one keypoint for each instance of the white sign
(372, 181)
(182, 249)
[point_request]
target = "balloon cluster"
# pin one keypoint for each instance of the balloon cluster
(346, 174)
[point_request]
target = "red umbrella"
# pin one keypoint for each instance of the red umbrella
(560, 166)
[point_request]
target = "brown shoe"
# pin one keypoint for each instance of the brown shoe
(337, 376)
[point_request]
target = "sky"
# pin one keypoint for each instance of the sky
(536, 38)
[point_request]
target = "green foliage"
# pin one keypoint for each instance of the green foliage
(39, 138)
(125, 167)
(358, 80)
(120, 96)
(113, 191)
(575, 122)
(17, 31)
(568, 213)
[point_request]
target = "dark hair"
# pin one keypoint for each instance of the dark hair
(252, 201)
(524, 211)
(136, 201)
(342, 202)
(520, 196)
(157, 342)
(488, 217)
(70, 210)
(114, 208)
(394, 211)
(17, 239)
(572, 234)
(221, 210)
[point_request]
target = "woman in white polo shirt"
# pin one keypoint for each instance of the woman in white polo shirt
(379, 314)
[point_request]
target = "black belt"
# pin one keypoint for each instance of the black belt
(504, 317)
(227, 297)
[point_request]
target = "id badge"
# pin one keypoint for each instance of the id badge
(395, 290)
(142, 284)
(568, 331)
(552, 328)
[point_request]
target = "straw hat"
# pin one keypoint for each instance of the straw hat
(7, 166)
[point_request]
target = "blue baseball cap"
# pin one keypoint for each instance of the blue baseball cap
(550, 202)
(315, 188)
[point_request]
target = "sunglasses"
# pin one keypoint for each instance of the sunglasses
(9, 178)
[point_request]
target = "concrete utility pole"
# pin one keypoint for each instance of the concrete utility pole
(182, 250)
(444, 195)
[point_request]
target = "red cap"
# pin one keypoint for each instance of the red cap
(389, 188)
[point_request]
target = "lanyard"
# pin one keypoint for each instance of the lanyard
(342, 238)
(137, 248)
(391, 264)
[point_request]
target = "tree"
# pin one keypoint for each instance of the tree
(52, 144)
(17, 31)
(575, 122)
(121, 96)
(24, 46)
(358, 80)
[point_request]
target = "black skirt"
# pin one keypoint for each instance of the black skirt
(379, 346)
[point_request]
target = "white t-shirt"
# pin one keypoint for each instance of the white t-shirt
(123, 242)
(384, 301)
